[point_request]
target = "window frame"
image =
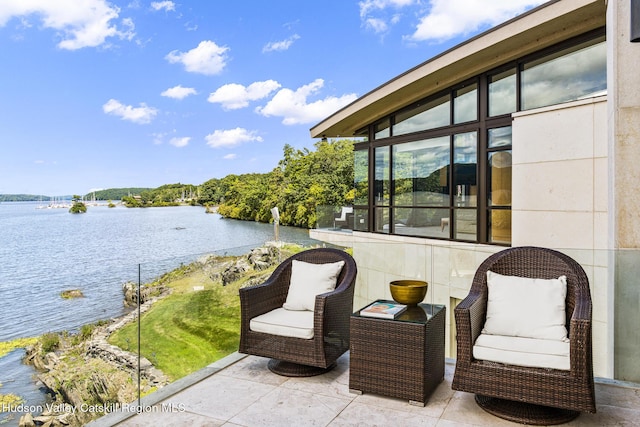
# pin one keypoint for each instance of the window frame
(481, 126)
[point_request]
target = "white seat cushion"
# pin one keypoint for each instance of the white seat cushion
(286, 323)
(524, 307)
(309, 280)
(520, 351)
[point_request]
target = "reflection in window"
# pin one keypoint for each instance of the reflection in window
(465, 160)
(571, 74)
(500, 178)
(381, 184)
(430, 115)
(382, 220)
(420, 172)
(466, 224)
(500, 226)
(361, 219)
(499, 137)
(465, 104)
(382, 129)
(361, 177)
(502, 93)
(424, 222)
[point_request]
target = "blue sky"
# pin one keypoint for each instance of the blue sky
(136, 93)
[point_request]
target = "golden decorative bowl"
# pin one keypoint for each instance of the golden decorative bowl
(409, 292)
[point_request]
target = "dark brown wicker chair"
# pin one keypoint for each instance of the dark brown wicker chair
(536, 396)
(297, 356)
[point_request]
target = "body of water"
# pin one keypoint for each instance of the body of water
(46, 251)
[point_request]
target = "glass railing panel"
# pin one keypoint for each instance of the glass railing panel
(339, 218)
(55, 361)
(190, 311)
(450, 268)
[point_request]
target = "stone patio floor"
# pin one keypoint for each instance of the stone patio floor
(240, 391)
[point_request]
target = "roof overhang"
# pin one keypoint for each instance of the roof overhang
(546, 25)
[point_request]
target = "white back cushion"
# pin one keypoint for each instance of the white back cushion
(309, 280)
(524, 307)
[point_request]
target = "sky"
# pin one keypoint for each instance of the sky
(101, 94)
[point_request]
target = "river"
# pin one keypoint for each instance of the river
(46, 251)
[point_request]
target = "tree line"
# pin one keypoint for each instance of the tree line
(303, 181)
(165, 195)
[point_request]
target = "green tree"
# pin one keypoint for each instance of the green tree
(302, 181)
(78, 206)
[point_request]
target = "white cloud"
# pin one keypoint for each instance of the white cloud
(179, 92)
(230, 156)
(295, 109)
(141, 115)
(377, 25)
(87, 23)
(374, 13)
(451, 18)
(180, 142)
(163, 5)
(233, 96)
(281, 45)
(231, 137)
(208, 58)
(369, 6)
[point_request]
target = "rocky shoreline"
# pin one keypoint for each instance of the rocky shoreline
(85, 371)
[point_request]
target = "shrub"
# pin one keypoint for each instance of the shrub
(50, 342)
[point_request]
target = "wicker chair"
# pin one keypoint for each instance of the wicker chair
(538, 396)
(297, 356)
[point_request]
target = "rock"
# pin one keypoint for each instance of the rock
(258, 259)
(130, 292)
(26, 421)
(264, 257)
(235, 272)
(72, 293)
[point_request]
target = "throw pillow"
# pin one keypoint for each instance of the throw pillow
(309, 280)
(524, 307)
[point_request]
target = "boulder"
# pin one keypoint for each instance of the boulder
(26, 421)
(235, 271)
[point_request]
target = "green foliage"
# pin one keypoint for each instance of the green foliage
(50, 342)
(116, 193)
(166, 195)
(8, 346)
(303, 181)
(78, 206)
(22, 198)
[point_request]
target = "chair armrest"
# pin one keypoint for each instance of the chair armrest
(470, 315)
(262, 298)
(580, 339)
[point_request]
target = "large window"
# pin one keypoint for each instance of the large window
(428, 115)
(502, 92)
(381, 190)
(441, 167)
(499, 184)
(421, 180)
(361, 187)
(567, 75)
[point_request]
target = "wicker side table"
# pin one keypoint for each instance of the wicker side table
(402, 358)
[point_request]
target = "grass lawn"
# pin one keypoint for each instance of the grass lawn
(189, 329)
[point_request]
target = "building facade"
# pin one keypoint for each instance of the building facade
(527, 134)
